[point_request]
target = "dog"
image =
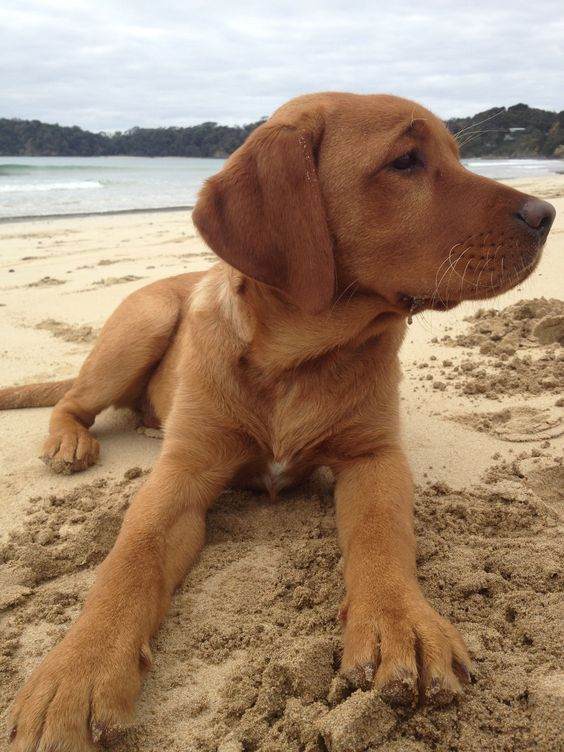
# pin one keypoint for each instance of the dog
(337, 219)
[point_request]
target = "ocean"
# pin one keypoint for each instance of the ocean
(43, 186)
(39, 186)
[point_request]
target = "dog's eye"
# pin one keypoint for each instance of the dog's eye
(407, 161)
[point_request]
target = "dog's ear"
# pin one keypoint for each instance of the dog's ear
(263, 214)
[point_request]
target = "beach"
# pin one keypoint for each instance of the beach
(483, 433)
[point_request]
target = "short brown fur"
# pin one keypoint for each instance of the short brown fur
(281, 358)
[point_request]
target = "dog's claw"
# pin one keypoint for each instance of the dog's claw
(439, 695)
(105, 735)
(71, 452)
(146, 657)
(369, 671)
(462, 672)
(362, 676)
(401, 691)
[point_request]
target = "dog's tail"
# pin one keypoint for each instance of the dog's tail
(45, 394)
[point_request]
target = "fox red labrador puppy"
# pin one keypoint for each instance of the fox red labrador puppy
(336, 220)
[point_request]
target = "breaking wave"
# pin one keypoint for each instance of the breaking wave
(10, 168)
(71, 185)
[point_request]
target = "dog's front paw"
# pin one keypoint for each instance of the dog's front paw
(82, 694)
(70, 451)
(409, 652)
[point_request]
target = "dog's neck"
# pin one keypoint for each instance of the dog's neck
(279, 336)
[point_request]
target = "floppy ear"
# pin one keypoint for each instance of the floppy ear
(264, 215)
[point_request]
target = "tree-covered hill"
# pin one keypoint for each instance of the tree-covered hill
(34, 138)
(517, 131)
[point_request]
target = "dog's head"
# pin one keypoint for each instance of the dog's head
(347, 192)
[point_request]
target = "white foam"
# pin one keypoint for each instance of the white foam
(75, 185)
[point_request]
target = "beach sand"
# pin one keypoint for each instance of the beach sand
(247, 657)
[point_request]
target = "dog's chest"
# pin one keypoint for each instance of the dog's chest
(299, 417)
(292, 427)
(276, 476)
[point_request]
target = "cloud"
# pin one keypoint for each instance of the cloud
(110, 65)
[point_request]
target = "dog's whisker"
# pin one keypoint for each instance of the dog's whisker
(437, 281)
(477, 284)
(450, 266)
(449, 277)
(464, 252)
(343, 293)
(464, 275)
(353, 290)
(472, 136)
(480, 122)
(498, 246)
(446, 261)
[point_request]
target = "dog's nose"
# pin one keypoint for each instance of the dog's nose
(538, 215)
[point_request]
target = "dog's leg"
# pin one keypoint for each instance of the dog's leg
(392, 635)
(132, 341)
(84, 691)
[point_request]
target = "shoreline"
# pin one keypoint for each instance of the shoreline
(81, 215)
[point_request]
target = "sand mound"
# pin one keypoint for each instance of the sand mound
(68, 332)
(248, 657)
(206, 255)
(517, 424)
(525, 323)
(110, 261)
(513, 351)
(47, 282)
(109, 281)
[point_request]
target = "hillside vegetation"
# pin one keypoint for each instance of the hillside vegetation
(517, 131)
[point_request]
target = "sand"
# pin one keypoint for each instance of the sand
(248, 657)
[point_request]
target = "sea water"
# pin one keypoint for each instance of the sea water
(39, 186)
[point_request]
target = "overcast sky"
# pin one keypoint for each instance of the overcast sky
(111, 65)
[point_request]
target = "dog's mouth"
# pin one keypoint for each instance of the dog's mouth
(414, 304)
(492, 275)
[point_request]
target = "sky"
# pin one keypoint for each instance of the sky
(113, 65)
